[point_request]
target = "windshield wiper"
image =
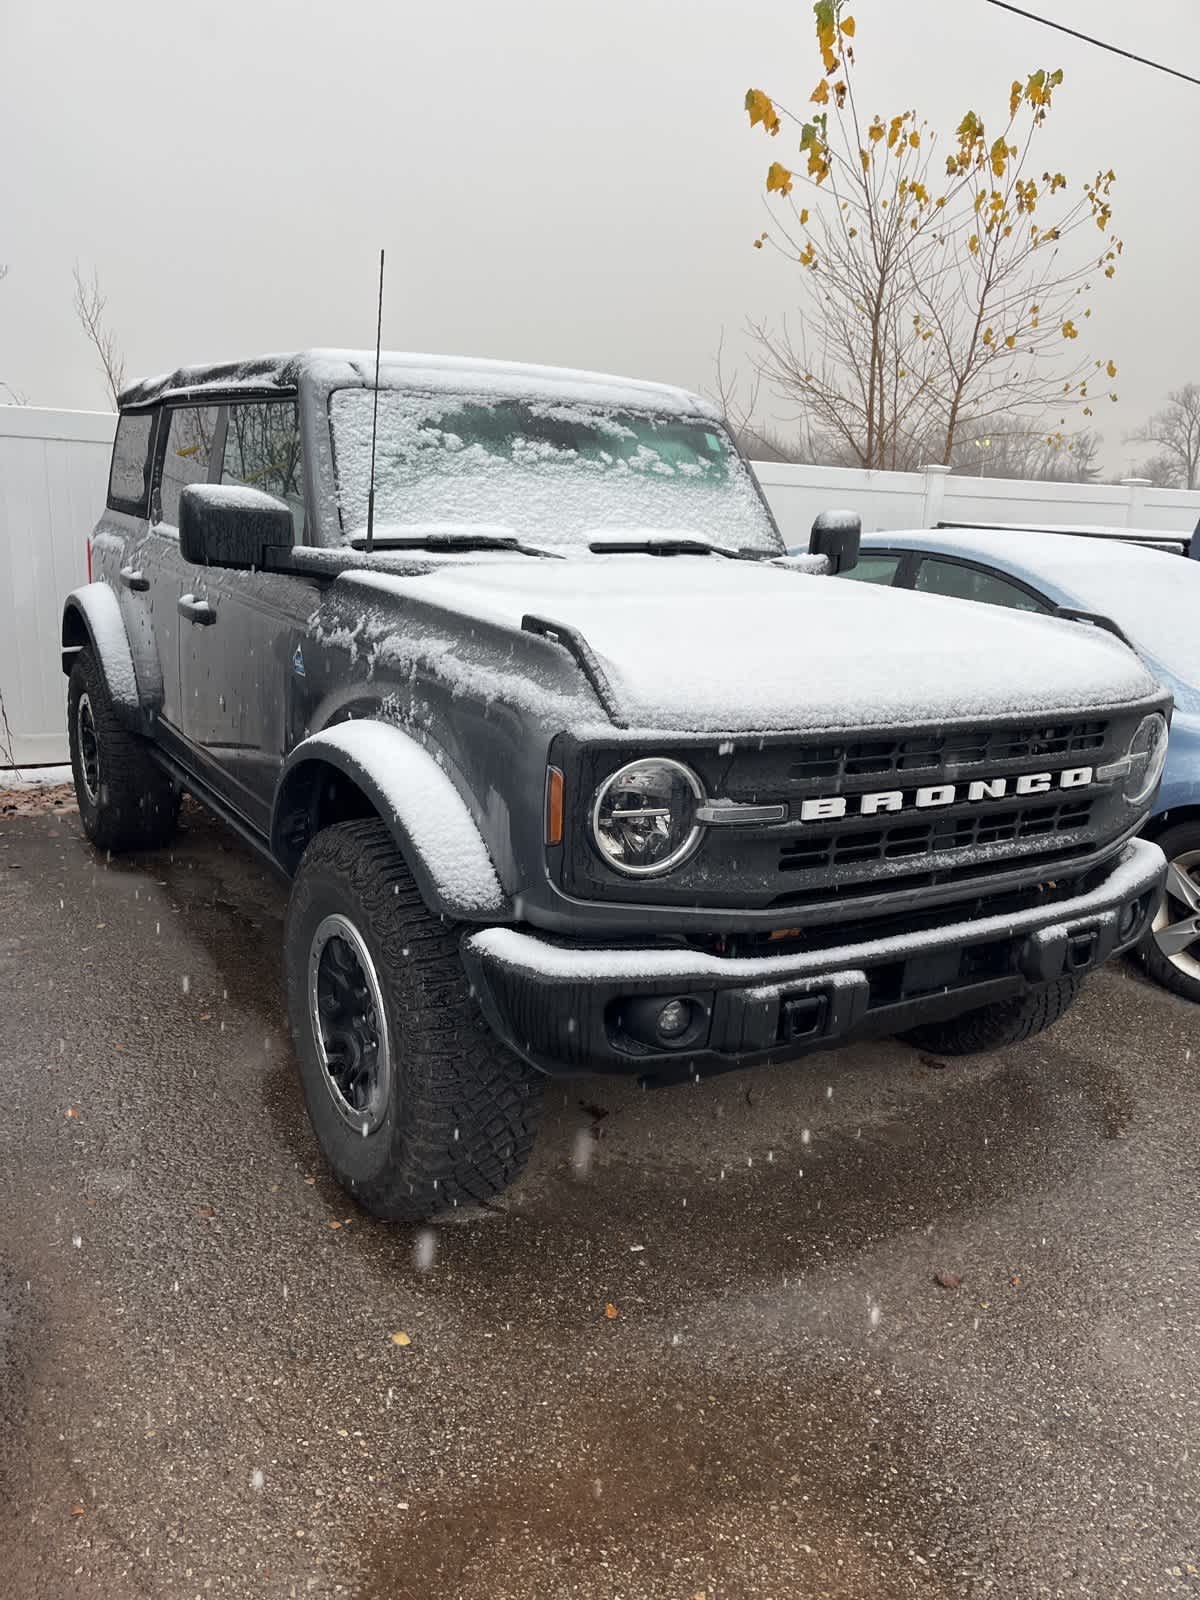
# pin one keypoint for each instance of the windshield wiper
(456, 542)
(673, 547)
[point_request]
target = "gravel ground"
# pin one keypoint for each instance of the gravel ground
(200, 1392)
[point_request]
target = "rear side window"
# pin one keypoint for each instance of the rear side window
(873, 569)
(262, 451)
(129, 476)
(969, 583)
(191, 434)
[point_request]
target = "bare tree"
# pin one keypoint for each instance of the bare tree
(90, 306)
(1160, 470)
(762, 441)
(1176, 431)
(1030, 454)
(944, 290)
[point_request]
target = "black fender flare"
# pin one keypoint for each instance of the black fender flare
(416, 799)
(95, 612)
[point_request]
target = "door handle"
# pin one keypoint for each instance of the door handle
(132, 578)
(197, 611)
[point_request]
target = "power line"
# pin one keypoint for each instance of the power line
(1116, 50)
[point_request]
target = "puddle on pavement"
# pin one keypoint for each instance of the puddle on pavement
(698, 1484)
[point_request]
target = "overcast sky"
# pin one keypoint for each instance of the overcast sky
(555, 180)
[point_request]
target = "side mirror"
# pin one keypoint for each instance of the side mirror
(836, 535)
(225, 525)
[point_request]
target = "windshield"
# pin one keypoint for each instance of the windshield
(554, 473)
(1154, 597)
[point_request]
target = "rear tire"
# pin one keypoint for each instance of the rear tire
(126, 801)
(995, 1027)
(1178, 970)
(415, 1102)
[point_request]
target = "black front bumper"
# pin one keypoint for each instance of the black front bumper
(570, 1009)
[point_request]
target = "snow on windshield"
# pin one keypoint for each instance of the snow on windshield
(1155, 597)
(558, 473)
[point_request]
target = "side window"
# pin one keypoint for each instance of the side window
(129, 476)
(191, 432)
(873, 569)
(969, 583)
(262, 451)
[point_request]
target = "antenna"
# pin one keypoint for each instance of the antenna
(375, 415)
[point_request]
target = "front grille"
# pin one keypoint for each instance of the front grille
(826, 867)
(906, 841)
(962, 747)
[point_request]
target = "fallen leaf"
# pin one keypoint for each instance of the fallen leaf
(610, 1311)
(400, 1339)
(205, 1211)
(947, 1280)
(76, 1511)
(334, 1223)
(71, 1111)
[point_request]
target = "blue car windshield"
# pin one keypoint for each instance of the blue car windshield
(1153, 596)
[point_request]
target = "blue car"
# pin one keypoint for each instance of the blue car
(1154, 599)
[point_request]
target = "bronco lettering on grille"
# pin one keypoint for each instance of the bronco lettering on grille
(831, 808)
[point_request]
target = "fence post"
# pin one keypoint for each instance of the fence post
(1137, 500)
(935, 495)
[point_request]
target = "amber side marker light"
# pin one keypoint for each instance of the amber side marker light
(554, 806)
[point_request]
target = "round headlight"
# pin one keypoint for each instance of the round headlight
(1148, 753)
(644, 817)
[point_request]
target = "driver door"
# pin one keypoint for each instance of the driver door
(240, 661)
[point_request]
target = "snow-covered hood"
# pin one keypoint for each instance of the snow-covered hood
(700, 643)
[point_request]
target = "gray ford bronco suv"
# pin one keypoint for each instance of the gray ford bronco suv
(571, 768)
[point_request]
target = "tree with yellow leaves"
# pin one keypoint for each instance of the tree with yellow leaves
(946, 289)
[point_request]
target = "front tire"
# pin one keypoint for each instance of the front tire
(126, 801)
(416, 1104)
(1170, 947)
(997, 1026)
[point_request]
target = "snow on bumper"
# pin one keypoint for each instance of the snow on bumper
(569, 1009)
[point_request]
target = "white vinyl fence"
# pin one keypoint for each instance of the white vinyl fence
(53, 479)
(887, 500)
(54, 471)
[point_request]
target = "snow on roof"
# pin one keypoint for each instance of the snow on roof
(699, 643)
(1037, 552)
(1075, 530)
(399, 369)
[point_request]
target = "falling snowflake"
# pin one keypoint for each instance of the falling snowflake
(581, 1152)
(425, 1250)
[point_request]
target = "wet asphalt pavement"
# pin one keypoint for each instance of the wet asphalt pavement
(200, 1393)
